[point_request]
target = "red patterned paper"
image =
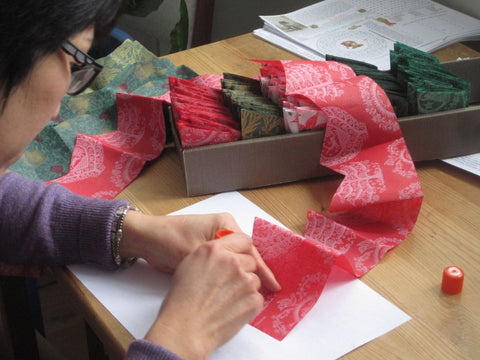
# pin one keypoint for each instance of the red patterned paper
(290, 83)
(209, 80)
(300, 74)
(199, 113)
(378, 201)
(300, 265)
(103, 165)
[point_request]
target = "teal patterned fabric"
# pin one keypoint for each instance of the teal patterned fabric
(130, 69)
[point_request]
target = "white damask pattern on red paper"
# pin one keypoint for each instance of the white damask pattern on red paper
(399, 158)
(326, 93)
(300, 265)
(103, 165)
(377, 203)
(125, 170)
(286, 82)
(300, 74)
(363, 184)
(359, 242)
(88, 160)
(345, 136)
(377, 105)
(375, 206)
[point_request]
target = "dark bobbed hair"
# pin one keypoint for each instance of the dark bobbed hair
(30, 29)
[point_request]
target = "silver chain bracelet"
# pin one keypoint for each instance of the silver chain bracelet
(117, 233)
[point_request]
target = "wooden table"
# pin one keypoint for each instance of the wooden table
(447, 233)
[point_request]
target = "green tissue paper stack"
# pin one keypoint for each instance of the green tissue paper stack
(416, 83)
(430, 86)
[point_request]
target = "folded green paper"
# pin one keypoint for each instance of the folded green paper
(131, 68)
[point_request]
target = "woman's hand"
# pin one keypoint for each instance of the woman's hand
(214, 293)
(163, 241)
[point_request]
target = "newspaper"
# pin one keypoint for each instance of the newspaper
(366, 30)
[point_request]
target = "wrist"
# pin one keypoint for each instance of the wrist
(121, 252)
(173, 337)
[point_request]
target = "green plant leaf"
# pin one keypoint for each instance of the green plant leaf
(179, 34)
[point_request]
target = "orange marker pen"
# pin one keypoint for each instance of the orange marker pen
(222, 232)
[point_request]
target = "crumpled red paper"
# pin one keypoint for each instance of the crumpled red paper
(375, 206)
(103, 165)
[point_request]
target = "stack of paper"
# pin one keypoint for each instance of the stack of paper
(366, 30)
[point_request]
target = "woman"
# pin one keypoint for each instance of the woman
(42, 57)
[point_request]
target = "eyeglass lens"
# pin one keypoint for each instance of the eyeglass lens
(80, 79)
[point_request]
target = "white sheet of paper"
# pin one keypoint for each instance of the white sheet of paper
(470, 163)
(347, 315)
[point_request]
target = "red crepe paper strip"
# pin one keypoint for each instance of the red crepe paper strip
(301, 266)
(377, 203)
(304, 79)
(284, 77)
(103, 165)
(380, 197)
(301, 75)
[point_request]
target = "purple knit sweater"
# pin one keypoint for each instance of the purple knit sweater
(49, 225)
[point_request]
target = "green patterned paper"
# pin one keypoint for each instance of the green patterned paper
(257, 114)
(416, 83)
(431, 101)
(255, 125)
(130, 69)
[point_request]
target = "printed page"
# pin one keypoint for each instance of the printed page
(366, 30)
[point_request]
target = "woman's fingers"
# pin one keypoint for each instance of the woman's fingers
(266, 275)
(242, 243)
(256, 281)
(214, 293)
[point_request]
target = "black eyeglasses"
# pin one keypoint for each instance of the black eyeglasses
(83, 72)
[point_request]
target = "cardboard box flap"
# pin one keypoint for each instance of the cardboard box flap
(468, 69)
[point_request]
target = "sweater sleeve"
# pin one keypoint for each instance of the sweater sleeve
(50, 225)
(146, 350)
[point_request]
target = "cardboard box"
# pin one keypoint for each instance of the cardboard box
(290, 157)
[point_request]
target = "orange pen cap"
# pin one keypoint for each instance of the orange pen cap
(452, 281)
